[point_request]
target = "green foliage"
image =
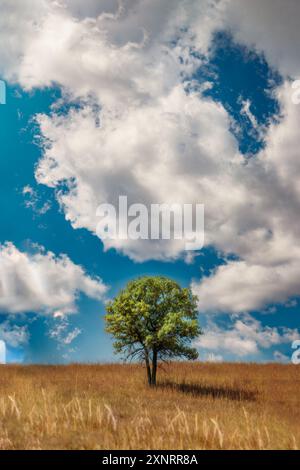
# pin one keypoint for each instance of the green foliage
(152, 319)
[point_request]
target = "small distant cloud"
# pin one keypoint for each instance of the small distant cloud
(13, 335)
(246, 110)
(62, 333)
(33, 201)
(72, 335)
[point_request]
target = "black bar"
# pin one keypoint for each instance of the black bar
(135, 459)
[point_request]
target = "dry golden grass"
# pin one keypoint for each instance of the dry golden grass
(196, 406)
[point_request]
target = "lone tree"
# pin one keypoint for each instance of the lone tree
(153, 319)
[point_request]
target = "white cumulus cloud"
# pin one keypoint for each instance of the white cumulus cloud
(245, 336)
(139, 133)
(42, 283)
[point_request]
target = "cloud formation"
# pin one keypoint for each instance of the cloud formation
(13, 335)
(139, 132)
(61, 331)
(43, 283)
(271, 26)
(246, 336)
(267, 231)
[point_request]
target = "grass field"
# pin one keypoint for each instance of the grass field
(195, 406)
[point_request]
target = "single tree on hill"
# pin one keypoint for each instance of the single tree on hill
(153, 319)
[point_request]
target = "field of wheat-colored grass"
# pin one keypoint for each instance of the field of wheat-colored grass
(195, 406)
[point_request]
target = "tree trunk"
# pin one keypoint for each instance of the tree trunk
(149, 375)
(154, 368)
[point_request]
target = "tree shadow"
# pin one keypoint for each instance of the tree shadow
(197, 390)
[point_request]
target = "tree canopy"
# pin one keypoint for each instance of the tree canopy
(153, 319)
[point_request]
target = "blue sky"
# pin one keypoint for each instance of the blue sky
(241, 80)
(24, 224)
